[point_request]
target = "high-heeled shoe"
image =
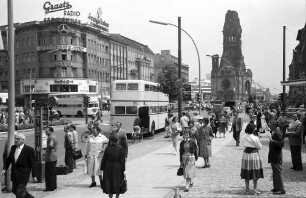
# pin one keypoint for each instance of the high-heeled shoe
(191, 184)
(93, 184)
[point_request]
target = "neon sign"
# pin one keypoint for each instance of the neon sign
(49, 7)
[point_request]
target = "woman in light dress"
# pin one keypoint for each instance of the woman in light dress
(188, 156)
(94, 150)
(205, 138)
(175, 129)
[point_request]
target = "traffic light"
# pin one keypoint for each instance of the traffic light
(86, 100)
(281, 97)
(198, 97)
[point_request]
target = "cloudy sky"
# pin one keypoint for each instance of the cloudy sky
(262, 24)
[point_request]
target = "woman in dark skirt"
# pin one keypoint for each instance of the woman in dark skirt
(251, 166)
(113, 165)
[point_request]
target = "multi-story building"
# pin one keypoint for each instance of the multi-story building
(166, 59)
(131, 59)
(205, 88)
(59, 55)
(297, 71)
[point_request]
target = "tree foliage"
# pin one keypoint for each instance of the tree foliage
(169, 82)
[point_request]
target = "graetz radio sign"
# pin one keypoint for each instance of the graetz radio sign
(49, 7)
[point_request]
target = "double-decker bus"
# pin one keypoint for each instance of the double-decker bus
(71, 104)
(137, 98)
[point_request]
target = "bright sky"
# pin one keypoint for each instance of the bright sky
(262, 24)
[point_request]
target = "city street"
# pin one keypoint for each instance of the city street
(151, 172)
(59, 132)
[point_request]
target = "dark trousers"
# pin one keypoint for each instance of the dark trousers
(278, 184)
(69, 158)
(50, 175)
(296, 157)
(236, 136)
(20, 190)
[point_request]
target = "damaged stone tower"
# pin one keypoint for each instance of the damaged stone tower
(230, 80)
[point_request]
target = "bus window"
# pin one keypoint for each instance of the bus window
(155, 89)
(121, 86)
(131, 110)
(147, 87)
(120, 110)
(132, 86)
(153, 109)
(151, 88)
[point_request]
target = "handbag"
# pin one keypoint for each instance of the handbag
(123, 185)
(62, 170)
(180, 171)
(77, 154)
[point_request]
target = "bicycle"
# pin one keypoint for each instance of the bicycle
(85, 135)
(137, 135)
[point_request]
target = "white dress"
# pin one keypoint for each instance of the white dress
(95, 147)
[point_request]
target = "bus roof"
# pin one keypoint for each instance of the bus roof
(135, 81)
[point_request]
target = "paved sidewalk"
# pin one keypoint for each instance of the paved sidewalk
(154, 174)
(223, 178)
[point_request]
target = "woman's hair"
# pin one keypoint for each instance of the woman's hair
(250, 127)
(173, 119)
(190, 122)
(206, 120)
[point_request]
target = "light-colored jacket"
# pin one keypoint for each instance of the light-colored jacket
(295, 135)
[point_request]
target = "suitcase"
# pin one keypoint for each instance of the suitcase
(62, 170)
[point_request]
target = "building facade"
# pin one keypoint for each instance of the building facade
(166, 59)
(131, 59)
(297, 71)
(205, 88)
(59, 55)
(229, 78)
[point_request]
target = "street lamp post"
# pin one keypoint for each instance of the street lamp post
(200, 90)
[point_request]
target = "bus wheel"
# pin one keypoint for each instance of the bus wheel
(79, 114)
(152, 129)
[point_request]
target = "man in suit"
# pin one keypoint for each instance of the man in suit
(294, 135)
(51, 160)
(22, 159)
(237, 127)
(122, 138)
(275, 157)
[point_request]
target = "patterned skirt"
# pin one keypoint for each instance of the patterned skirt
(251, 166)
(189, 165)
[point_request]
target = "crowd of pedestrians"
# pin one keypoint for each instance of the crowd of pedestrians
(21, 116)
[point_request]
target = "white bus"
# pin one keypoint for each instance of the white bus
(71, 104)
(137, 98)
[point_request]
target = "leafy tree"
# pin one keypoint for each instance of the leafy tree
(169, 82)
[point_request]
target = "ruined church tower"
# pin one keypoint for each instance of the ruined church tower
(230, 78)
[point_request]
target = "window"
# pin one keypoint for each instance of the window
(92, 88)
(147, 87)
(121, 86)
(120, 110)
(131, 110)
(64, 57)
(54, 57)
(153, 109)
(64, 72)
(132, 86)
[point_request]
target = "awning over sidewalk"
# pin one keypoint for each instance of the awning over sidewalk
(300, 82)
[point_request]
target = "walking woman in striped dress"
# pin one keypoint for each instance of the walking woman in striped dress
(251, 166)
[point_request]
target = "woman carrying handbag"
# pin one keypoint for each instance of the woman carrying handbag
(188, 156)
